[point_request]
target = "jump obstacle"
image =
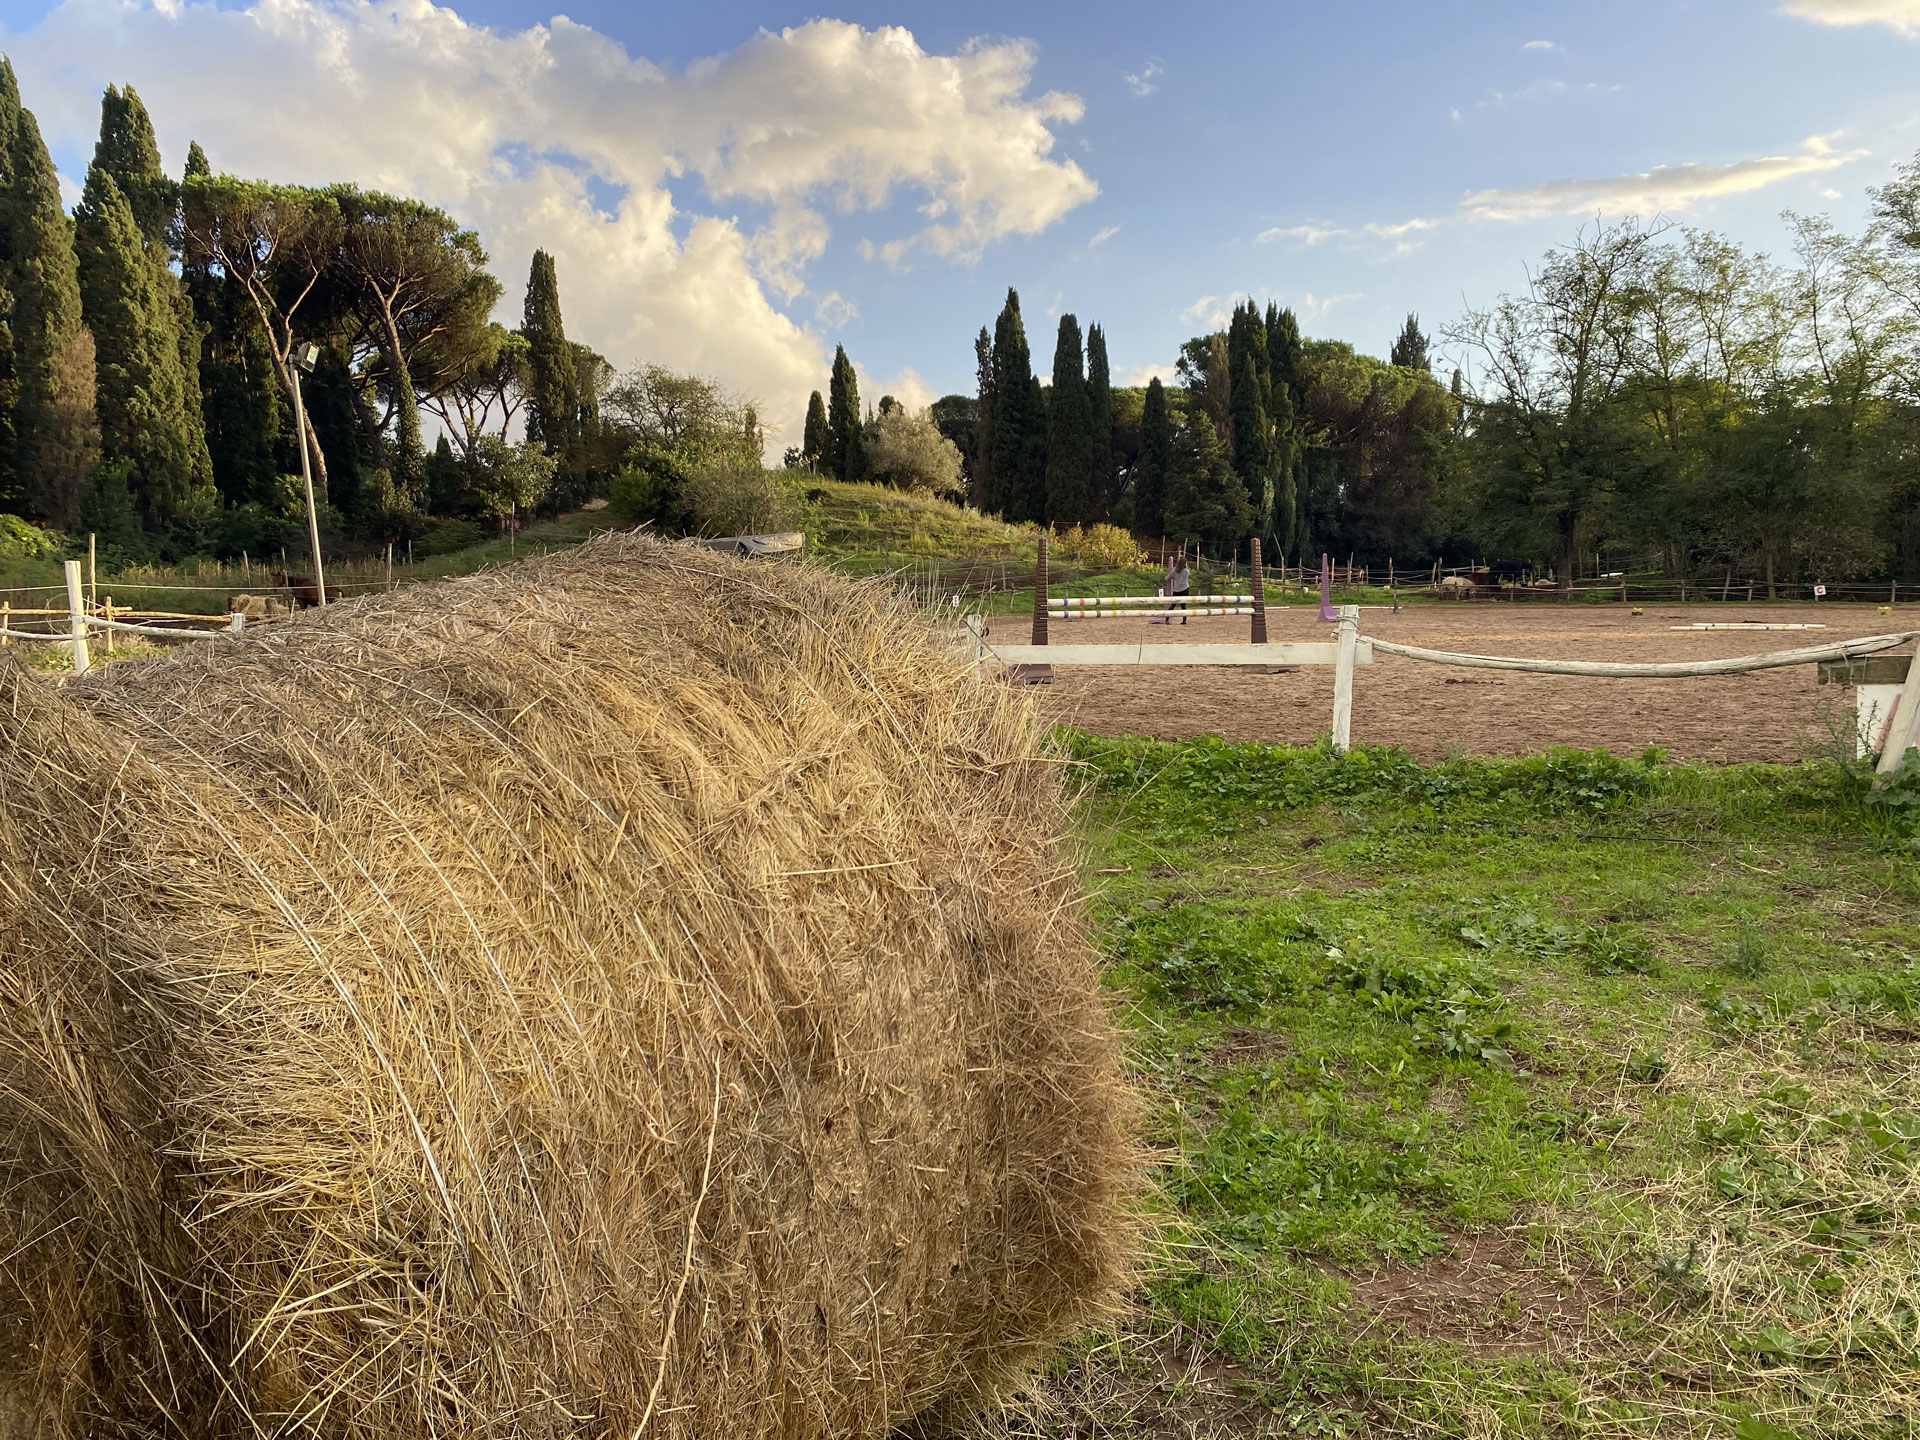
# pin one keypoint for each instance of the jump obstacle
(1892, 703)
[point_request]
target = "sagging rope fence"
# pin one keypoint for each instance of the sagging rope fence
(1350, 648)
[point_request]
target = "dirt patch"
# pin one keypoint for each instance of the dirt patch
(1777, 715)
(1245, 1045)
(1168, 1388)
(1487, 1293)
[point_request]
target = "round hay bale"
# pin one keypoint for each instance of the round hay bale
(634, 993)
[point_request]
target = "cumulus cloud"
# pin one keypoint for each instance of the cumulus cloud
(905, 385)
(1146, 82)
(1899, 15)
(1145, 374)
(524, 135)
(1663, 188)
(834, 311)
(1208, 310)
(1669, 189)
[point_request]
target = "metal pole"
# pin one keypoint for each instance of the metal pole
(306, 473)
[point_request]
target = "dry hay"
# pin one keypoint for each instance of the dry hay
(635, 993)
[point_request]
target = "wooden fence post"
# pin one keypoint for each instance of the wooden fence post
(6, 621)
(1259, 597)
(1347, 645)
(76, 617)
(1040, 595)
(108, 614)
(1903, 731)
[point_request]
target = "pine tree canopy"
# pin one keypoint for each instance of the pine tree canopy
(1069, 474)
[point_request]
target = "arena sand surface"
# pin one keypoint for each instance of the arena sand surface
(1435, 710)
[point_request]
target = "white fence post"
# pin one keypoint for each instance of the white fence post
(77, 617)
(1903, 733)
(1346, 644)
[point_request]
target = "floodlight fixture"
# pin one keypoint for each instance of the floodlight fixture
(306, 357)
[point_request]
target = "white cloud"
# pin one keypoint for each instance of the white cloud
(1309, 233)
(515, 133)
(1663, 188)
(905, 385)
(1541, 45)
(1208, 310)
(1902, 16)
(1313, 233)
(1313, 307)
(834, 311)
(1142, 374)
(1101, 236)
(1143, 84)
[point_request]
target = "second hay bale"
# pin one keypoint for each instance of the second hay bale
(634, 993)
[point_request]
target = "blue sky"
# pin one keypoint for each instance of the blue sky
(1354, 161)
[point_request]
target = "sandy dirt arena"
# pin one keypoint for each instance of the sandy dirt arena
(1433, 710)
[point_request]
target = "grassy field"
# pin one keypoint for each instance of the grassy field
(1567, 1096)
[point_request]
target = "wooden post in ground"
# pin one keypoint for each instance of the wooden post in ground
(1903, 731)
(108, 612)
(1040, 595)
(1347, 645)
(6, 619)
(1259, 597)
(76, 618)
(93, 574)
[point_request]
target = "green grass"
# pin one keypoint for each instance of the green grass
(1555, 1097)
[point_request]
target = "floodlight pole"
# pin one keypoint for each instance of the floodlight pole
(306, 473)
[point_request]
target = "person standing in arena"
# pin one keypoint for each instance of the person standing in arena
(1179, 586)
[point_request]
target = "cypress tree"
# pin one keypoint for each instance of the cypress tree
(147, 345)
(1287, 399)
(1205, 502)
(1100, 407)
(813, 440)
(50, 414)
(846, 452)
(1069, 432)
(553, 410)
(128, 153)
(143, 395)
(980, 471)
(1017, 488)
(1033, 451)
(1248, 403)
(1410, 346)
(1150, 468)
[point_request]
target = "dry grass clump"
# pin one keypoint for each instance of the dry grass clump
(633, 993)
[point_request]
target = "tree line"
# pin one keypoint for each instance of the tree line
(148, 347)
(1655, 395)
